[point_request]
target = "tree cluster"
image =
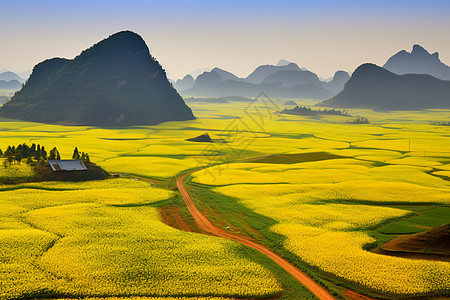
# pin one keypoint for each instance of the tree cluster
(54, 154)
(442, 123)
(83, 156)
(359, 120)
(306, 111)
(37, 153)
(16, 154)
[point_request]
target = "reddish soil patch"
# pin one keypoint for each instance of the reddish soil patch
(149, 180)
(432, 244)
(170, 215)
(355, 296)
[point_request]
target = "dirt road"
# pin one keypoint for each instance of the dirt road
(205, 225)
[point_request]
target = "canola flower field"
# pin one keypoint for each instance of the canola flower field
(327, 208)
(330, 232)
(106, 238)
(21, 171)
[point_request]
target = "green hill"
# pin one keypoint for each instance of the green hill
(114, 83)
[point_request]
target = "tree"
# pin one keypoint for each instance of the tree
(43, 153)
(38, 154)
(18, 156)
(33, 149)
(1, 153)
(76, 154)
(8, 151)
(9, 154)
(85, 157)
(25, 150)
(54, 154)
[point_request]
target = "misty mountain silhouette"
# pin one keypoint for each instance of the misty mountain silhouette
(225, 75)
(185, 83)
(283, 62)
(261, 72)
(116, 82)
(419, 61)
(10, 85)
(284, 81)
(377, 88)
(337, 83)
(208, 79)
(8, 76)
(292, 78)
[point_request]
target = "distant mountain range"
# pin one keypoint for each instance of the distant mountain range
(185, 83)
(337, 83)
(283, 62)
(20, 76)
(8, 76)
(262, 72)
(419, 61)
(377, 88)
(10, 81)
(284, 80)
(371, 86)
(288, 80)
(10, 85)
(116, 82)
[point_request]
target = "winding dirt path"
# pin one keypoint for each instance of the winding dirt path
(205, 225)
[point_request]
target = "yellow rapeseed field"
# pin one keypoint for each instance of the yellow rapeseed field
(331, 235)
(341, 254)
(16, 171)
(320, 172)
(103, 239)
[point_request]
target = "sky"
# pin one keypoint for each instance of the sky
(238, 36)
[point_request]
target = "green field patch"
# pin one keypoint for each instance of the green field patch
(422, 222)
(401, 227)
(296, 158)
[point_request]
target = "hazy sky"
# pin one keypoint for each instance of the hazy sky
(323, 36)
